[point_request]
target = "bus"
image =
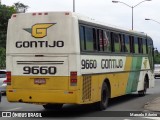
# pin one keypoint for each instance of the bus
(56, 58)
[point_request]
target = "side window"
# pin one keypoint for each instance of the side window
(122, 40)
(116, 42)
(107, 41)
(112, 42)
(89, 39)
(94, 39)
(100, 40)
(82, 38)
(127, 47)
(140, 45)
(131, 39)
(136, 45)
(150, 44)
(150, 52)
(144, 46)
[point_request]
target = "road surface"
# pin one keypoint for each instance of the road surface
(121, 105)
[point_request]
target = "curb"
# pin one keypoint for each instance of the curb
(153, 105)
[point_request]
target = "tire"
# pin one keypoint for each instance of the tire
(0, 96)
(143, 92)
(102, 105)
(55, 107)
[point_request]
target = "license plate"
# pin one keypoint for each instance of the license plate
(39, 81)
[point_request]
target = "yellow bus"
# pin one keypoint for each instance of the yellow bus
(57, 58)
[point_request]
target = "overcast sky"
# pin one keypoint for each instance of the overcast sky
(105, 11)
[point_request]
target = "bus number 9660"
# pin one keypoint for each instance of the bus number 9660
(89, 64)
(39, 70)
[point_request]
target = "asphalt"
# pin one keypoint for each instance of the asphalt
(153, 105)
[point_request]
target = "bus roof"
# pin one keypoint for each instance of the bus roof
(91, 21)
(112, 27)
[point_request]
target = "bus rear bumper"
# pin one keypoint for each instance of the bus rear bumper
(43, 96)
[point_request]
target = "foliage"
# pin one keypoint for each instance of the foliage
(20, 7)
(2, 58)
(157, 58)
(5, 14)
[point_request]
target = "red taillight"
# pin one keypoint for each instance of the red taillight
(8, 74)
(73, 78)
(5, 81)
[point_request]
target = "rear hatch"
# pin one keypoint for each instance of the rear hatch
(39, 46)
(47, 72)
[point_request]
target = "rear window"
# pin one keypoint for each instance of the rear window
(2, 74)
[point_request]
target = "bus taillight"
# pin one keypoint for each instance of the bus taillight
(73, 78)
(8, 74)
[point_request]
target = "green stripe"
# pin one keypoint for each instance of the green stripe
(134, 76)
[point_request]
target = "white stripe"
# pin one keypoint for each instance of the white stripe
(153, 118)
(13, 109)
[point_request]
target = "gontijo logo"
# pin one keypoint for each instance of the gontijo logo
(39, 30)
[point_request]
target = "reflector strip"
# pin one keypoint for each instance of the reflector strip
(14, 15)
(34, 14)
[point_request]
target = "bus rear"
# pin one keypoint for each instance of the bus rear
(39, 52)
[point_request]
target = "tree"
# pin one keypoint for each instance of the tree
(2, 58)
(5, 14)
(156, 57)
(20, 7)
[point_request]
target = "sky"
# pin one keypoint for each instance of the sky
(105, 11)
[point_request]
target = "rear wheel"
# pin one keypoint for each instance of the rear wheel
(102, 105)
(143, 92)
(53, 106)
(0, 96)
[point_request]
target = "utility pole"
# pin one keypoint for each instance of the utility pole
(73, 5)
(114, 1)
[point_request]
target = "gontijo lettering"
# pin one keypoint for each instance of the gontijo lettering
(111, 63)
(39, 44)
